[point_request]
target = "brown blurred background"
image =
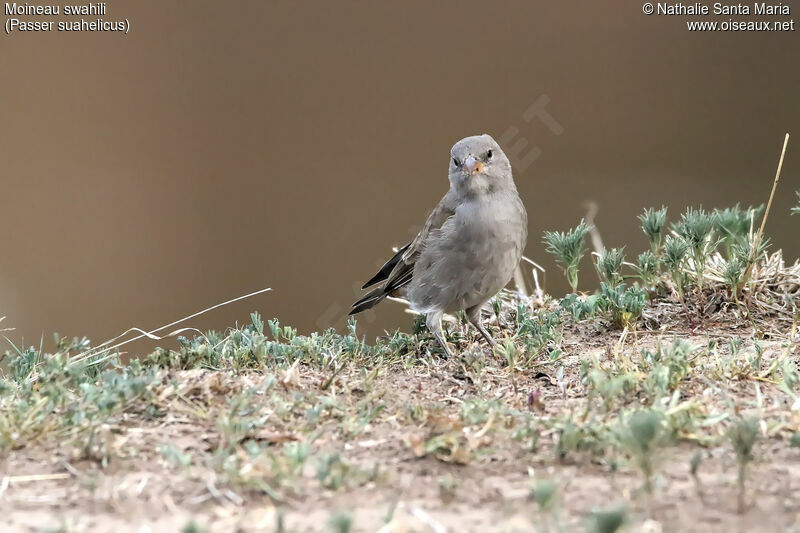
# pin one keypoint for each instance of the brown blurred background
(224, 147)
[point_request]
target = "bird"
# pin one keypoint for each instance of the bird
(469, 247)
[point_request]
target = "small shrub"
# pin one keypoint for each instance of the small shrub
(696, 227)
(609, 264)
(742, 435)
(654, 221)
(640, 437)
(607, 521)
(647, 268)
(624, 303)
(675, 249)
(568, 250)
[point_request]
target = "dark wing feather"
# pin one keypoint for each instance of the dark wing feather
(372, 297)
(387, 268)
(375, 296)
(401, 279)
(399, 270)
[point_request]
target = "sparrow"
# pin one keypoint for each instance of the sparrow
(469, 247)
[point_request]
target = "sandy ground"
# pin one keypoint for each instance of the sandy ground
(478, 480)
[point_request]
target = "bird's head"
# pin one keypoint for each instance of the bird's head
(478, 166)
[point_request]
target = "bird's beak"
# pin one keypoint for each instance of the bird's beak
(473, 165)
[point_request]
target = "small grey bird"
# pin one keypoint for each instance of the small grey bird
(469, 247)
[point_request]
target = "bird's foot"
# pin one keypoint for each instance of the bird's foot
(485, 334)
(446, 353)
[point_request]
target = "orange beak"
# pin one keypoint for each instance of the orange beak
(473, 165)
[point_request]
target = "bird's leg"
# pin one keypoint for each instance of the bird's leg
(474, 316)
(434, 322)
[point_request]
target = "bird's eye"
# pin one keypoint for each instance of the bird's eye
(456, 163)
(489, 154)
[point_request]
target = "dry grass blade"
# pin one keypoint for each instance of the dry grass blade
(39, 477)
(5, 329)
(107, 346)
(760, 233)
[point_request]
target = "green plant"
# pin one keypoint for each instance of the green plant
(641, 437)
(796, 210)
(694, 470)
(744, 249)
(732, 273)
(536, 331)
(567, 248)
(734, 224)
(239, 421)
(509, 351)
(654, 221)
(742, 435)
(341, 523)
(543, 492)
(696, 227)
(332, 471)
(174, 456)
(665, 367)
(580, 307)
(606, 385)
(608, 520)
(790, 378)
(609, 264)
(193, 527)
(46, 393)
(675, 249)
(647, 266)
(625, 303)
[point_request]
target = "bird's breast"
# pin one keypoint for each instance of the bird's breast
(499, 222)
(471, 257)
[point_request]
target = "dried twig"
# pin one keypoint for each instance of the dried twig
(760, 234)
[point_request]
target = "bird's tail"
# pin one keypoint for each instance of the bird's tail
(371, 299)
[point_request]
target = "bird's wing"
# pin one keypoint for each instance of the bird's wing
(387, 267)
(436, 220)
(399, 270)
